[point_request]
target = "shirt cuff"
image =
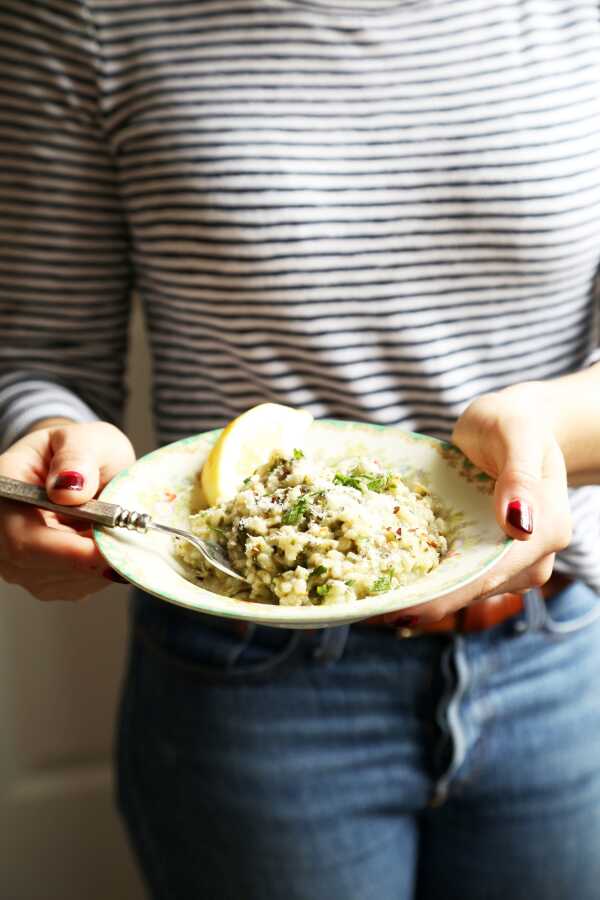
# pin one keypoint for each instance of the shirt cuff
(26, 402)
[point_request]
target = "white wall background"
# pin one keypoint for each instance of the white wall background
(60, 672)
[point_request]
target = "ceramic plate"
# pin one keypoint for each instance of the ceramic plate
(162, 484)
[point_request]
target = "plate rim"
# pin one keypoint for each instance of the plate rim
(293, 616)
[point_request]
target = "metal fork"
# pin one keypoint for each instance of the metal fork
(113, 516)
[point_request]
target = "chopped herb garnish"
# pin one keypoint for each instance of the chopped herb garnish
(320, 570)
(350, 582)
(322, 589)
(383, 583)
(295, 513)
(298, 454)
(218, 530)
(247, 480)
(379, 483)
(347, 480)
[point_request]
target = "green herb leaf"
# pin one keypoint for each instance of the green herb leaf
(218, 530)
(322, 589)
(383, 583)
(379, 483)
(347, 480)
(350, 582)
(320, 570)
(295, 513)
(298, 454)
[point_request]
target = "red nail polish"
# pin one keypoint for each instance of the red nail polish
(114, 576)
(68, 481)
(519, 515)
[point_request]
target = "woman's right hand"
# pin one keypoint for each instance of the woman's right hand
(54, 557)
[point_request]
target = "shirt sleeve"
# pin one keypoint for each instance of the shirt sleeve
(64, 258)
(594, 356)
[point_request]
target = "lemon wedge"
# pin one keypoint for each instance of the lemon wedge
(246, 443)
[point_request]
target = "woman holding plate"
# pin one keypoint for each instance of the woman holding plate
(378, 210)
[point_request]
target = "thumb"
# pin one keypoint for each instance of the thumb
(83, 459)
(518, 486)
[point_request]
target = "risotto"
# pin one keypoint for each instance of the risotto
(303, 533)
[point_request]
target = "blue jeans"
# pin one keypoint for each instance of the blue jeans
(353, 765)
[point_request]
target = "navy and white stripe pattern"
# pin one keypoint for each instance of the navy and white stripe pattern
(374, 209)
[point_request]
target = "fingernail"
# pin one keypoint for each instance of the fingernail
(519, 515)
(68, 481)
(114, 576)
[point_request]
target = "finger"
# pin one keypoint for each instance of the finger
(66, 523)
(434, 610)
(518, 486)
(31, 578)
(488, 584)
(69, 523)
(27, 541)
(25, 463)
(55, 586)
(515, 580)
(534, 576)
(69, 590)
(424, 614)
(78, 466)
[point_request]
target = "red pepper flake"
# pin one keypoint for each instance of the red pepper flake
(170, 496)
(399, 532)
(396, 509)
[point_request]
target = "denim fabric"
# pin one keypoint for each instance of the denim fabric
(352, 765)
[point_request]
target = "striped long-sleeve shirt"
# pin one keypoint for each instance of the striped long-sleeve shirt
(375, 209)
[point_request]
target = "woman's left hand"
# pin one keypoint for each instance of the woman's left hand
(507, 434)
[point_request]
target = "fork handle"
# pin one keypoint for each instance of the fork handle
(94, 510)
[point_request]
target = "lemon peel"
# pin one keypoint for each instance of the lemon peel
(246, 443)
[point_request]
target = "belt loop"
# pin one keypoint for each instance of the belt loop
(563, 629)
(535, 612)
(457, 677)
(332, 644)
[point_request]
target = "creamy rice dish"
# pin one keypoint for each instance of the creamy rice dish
(303, 533)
